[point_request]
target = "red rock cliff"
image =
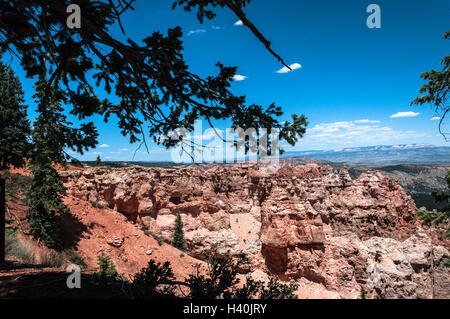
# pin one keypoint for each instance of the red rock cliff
(331, 234)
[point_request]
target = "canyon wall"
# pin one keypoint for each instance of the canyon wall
(309, 224)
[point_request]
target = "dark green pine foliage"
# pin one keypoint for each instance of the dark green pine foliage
(442, 216)
(14, 132)
(178, 236)
(363, 293)
(45, 203)
(14, 126)
(98, 161)
(436, 90)
(149, 78)
(106, 268)
(50, 135)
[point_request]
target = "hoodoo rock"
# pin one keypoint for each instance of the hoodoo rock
(309, 224)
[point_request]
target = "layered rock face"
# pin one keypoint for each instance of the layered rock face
(304, 223)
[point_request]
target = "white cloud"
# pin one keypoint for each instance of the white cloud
(214, 27)
(124, 149)
(435, 118)
(367, 121)
(209, 134)
(238, 23)
(285, 69)
(404, 114)
(239, 77)
(192, 32)
(104, 146)
(352, 134)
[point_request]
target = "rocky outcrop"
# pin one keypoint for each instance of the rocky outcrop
(305, 223)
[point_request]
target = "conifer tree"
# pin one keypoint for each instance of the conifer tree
(154, 91)
(178, 236)
(98, 161)
(435, 91)
(14, 133)
(51, 135)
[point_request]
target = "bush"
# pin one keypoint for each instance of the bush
(106, 268)
(14, 248)
(446, 234)
(52, 259)
(154, 281)
(363, 293)
(76, 259)
(98, 205)
(221, 280)
(220, 277)
(10, 229)
(45, 203)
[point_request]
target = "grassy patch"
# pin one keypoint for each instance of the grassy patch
(53, 259)
(74, 258)
(14, 248)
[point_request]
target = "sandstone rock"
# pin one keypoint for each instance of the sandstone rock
(304, 223)
(116, 241)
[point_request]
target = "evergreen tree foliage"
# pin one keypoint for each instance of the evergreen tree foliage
(178, 235)
(14, 125)
(436, 90)
(363, 293)
(106, 268)
(98, 161)
(151, 282)
(44, 202)
(442, 215)
(150, 77)
(50, 135)
(441, 218)
(14, 132)
(218, 281)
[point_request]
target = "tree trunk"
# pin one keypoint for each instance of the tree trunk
(2, 219)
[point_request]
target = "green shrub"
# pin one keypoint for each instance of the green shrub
(14, 248)
(76, 259)
(154, 281)
(221, 280)
(218, 281)
(10, 229)
(446, 234)
(44, 203)
(106, 268)
(277, 290)
(363, 293)
(446, 263)
(98, 205)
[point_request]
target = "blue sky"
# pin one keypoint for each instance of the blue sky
(351, 82)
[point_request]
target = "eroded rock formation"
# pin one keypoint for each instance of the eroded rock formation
(304, 223)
